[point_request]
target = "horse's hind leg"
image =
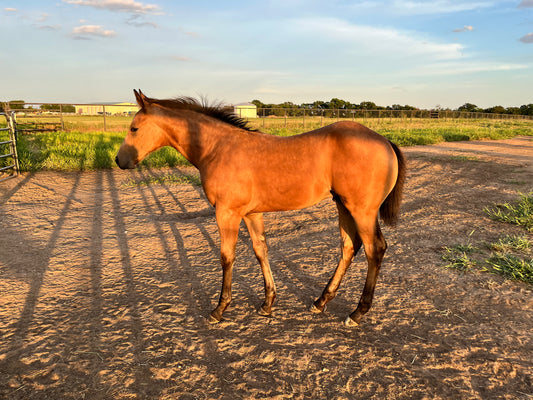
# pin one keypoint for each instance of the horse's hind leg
(375, 246)
(256, 227)
(350, 245)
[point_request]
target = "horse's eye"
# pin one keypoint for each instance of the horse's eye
(134, 129)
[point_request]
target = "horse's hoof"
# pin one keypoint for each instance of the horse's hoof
(212, 320)
(264, 313)
(315, 310)
(350, 322)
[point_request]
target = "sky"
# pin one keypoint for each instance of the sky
(422, 53)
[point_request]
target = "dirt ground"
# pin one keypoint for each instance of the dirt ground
(105, 289)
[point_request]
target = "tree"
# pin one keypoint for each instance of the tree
(469, 107)
(526, 110)
(16, 104)
(368, 105)
(495, 110)
(400, 107)
(50, 107)
(259, 103)
(319, 104)
(513, 110)
(337, 103)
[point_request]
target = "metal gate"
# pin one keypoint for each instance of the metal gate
(8, 148)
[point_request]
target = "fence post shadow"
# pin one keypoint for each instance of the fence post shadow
(143, 380)
(22, 327)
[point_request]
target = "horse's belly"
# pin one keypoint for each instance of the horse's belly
(283, 198)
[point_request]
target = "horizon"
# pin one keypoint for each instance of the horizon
(267, 105)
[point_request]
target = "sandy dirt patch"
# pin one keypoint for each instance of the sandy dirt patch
(105, 290)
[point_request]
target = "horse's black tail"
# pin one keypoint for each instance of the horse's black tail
(390, 208)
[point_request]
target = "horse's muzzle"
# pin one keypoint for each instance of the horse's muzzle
(118, 163)
(127, 165)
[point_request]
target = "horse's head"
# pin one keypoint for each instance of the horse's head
(143, 137)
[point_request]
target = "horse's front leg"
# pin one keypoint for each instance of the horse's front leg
(228, 226)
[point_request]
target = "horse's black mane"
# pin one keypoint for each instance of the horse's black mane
(215, 110)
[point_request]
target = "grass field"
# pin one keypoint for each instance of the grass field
(84, 145)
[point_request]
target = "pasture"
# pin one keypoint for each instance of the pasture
(84, 144)
(107, 278)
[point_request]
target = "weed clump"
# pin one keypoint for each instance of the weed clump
(519, 213)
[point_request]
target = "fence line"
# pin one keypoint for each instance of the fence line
(381, 114)
(55, 119)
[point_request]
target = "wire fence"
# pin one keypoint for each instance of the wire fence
(326, 116)
(37, 117)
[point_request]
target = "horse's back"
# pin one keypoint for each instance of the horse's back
(349, 130)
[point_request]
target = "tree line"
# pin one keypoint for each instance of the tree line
(339, 104)
(21, 105)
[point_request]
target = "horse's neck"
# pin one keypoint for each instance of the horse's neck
(196, 139)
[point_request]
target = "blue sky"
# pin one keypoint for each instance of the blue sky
(422, 53)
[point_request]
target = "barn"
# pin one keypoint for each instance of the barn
(245, 110)
(110, 108)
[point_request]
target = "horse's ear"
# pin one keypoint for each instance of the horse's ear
(141, 98)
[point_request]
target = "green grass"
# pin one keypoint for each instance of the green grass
(458, 257)
(81, 151)
(84, 145)
(512, 267)
(511, 243)
(510, 256)
(519, 213)
(410, 132)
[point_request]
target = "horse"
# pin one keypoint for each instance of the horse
(245, 173)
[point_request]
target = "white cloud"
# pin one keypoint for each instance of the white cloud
(86, 31)
(525, 4)
(461, 68)
(412, 7)
(466, 28)
(138, 21)
(527, 38)
(9, 9)
(128, 6)
(180, 58)
(49, 27)
(378, 41)
(43, 17)
(189, 33)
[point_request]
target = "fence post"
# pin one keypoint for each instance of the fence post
(304, 118)
(263, 117)
(321, 118)
(61, 115)
(105, 125)
(13, 135)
